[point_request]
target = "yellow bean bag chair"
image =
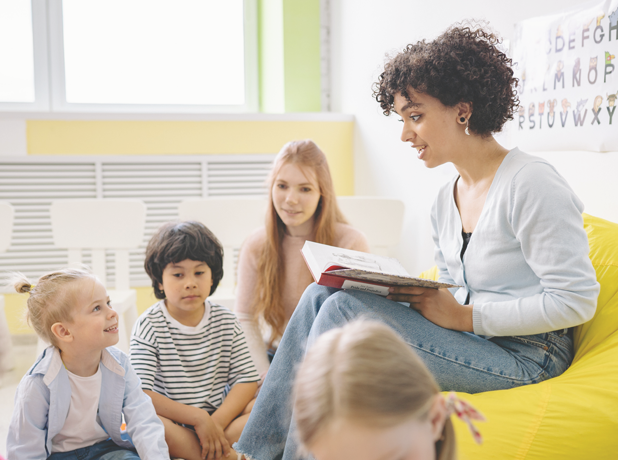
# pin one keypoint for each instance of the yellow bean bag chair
(573, 416)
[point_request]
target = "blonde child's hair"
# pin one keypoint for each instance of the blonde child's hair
(51, 301)
(367, 373)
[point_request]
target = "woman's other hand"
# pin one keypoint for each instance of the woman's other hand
(437, 305)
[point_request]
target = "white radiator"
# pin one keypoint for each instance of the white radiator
(30, 184)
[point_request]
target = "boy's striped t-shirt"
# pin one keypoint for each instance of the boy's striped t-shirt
(195, 366)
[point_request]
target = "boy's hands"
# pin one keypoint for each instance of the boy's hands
(213, 442)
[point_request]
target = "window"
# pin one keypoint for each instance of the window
(23, 60)
(187, 56)
(16, 52)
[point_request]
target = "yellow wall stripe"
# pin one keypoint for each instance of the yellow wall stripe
(120, 137)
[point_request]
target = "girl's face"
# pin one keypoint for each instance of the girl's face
(94, 323)
(296, 195)
(411, 440)
(431, 127)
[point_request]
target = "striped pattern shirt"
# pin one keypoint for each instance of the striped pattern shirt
(195, 366)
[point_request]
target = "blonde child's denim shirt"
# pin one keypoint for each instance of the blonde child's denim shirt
(44, 396)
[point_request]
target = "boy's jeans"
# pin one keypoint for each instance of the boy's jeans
(459, 361)
(106, 450)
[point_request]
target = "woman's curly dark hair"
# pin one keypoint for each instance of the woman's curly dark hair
(461, 65)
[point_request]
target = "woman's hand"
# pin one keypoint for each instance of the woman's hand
(437, 305)
(213, 442)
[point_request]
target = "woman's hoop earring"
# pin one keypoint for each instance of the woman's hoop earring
(467, 132)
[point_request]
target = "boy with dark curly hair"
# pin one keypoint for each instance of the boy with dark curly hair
(507, 230)
(191, 354)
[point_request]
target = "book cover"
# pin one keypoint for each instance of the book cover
(349, 269)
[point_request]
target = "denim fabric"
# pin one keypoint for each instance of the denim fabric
(106, 450)
(459, 361)
(43, 399)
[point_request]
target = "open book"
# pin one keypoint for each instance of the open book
(348, 269)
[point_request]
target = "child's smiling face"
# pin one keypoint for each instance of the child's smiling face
(186, 285)
(94, 323)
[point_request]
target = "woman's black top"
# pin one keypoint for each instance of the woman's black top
(466, 239)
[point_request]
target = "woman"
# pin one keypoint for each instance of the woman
(271, 272)
(508, 229)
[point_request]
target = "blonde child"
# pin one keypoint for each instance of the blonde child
(191, 354)
(362, 393)
(272, 274)
(71, 402)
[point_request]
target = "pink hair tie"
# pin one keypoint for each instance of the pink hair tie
(466, 413)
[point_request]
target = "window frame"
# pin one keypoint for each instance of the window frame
(50, 84)
(41, 64)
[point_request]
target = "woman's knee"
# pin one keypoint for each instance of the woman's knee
(312, 300)
(338, 309)
(316, 294)
(350, 304)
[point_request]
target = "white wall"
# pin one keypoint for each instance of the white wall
(363, 31)
(12, 137)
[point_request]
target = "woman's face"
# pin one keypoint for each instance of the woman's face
(431, 127)
(411, 440)
(296, 195)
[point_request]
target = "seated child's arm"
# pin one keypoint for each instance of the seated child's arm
(234, 403)
(242, 378)
(209, 433)
(28, 429)
(143, 425)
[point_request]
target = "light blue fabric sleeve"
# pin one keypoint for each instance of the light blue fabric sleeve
(545, 215)
(143, 426)
(28, 429)
(443, 274)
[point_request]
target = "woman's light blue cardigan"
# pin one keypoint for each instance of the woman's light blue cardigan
(527, 267)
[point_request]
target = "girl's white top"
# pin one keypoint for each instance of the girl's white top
(526, 267)
(81, 427)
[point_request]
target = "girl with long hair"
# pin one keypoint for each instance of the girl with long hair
(507, 230)
(271, 272)
(362, 393)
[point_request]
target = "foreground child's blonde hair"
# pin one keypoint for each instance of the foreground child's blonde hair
(51, 300)
(365, 372)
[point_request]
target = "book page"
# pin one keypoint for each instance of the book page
(327, 256)
(390, 280)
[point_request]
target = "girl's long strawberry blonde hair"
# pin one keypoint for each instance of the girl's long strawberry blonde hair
(311, 160)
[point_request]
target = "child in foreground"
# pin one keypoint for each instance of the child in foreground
(362, 393)
(70, 403)
(191, 354)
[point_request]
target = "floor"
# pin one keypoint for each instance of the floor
(24, 353)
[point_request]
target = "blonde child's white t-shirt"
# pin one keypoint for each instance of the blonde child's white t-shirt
(81, 428)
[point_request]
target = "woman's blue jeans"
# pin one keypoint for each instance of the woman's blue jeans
(459, 361)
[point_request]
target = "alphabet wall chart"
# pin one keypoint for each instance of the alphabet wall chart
(568, 81)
